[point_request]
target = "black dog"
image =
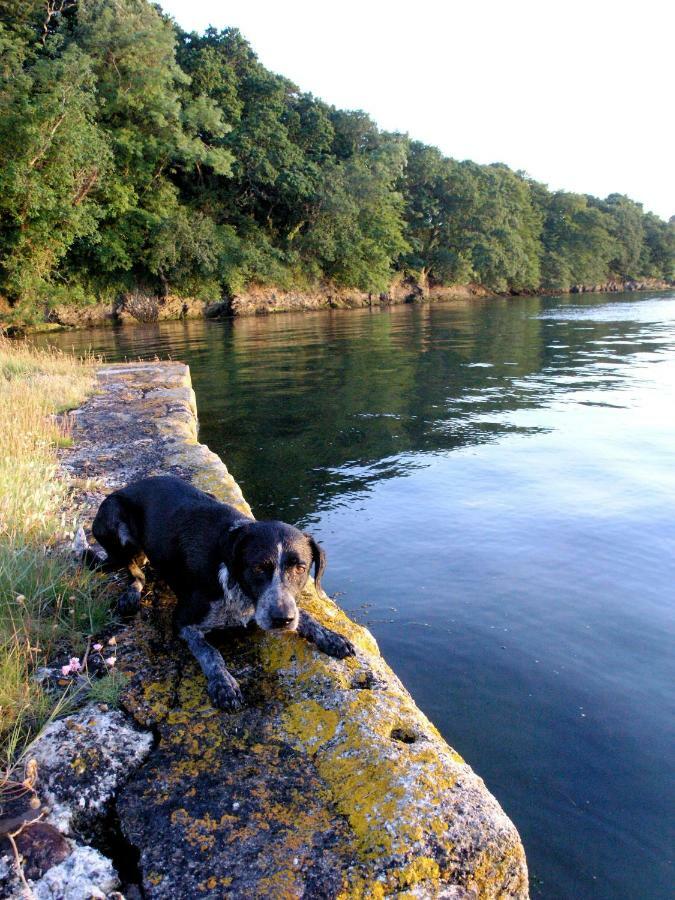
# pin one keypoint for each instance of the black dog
(225, 569)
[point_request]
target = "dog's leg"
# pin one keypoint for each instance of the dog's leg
(329, 642)
(111, 530)
(130, 601)
(222, 687)
(115, 555)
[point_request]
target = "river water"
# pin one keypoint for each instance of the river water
(494, 484)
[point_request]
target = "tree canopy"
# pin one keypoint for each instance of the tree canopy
(136, 155)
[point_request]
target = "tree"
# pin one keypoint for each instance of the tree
(500, 229)
(155, 129)
(658, 251)
(355, 235)
(626, 228)
(577, 242)
(53, 158)
(438, 194)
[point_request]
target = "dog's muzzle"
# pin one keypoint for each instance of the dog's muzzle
(277, 610)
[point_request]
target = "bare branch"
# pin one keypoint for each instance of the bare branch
(41, 152)
(54, 8)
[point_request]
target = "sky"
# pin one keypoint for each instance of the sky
(580, 95)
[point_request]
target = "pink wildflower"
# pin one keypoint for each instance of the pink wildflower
(65, 670)
(98, 647)
(75, 664)
(110, 661)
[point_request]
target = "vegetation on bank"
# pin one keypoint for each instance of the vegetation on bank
(48, 604)
(135, 156)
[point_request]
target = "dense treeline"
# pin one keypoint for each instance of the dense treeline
(135, 155)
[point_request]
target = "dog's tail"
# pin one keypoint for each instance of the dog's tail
(87, 555)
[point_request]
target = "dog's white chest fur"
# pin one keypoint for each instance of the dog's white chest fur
(233, 610)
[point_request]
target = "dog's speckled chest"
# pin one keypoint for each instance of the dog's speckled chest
(226, 614)
(233, 610)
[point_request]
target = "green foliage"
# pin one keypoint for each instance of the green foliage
(355, 231)
(52, 158)
(658, 252)
(154, 126)
(469, 221)
(626, 230)
(437, 200)
(136, 156)
(577, 243)
(108, 688)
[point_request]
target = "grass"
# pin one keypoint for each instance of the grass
(48, 603)
(108, 689)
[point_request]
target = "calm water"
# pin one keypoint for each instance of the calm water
(494, 483)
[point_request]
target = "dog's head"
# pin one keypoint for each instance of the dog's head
(270, 563)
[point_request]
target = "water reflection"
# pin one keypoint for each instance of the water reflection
(306, 408)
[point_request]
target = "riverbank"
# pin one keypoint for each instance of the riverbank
(258, 300)
(45, 604)
(329, 782)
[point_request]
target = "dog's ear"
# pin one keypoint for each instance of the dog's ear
(232, 546)
(318, 560)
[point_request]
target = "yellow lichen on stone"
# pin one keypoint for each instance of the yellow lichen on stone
(390, 792)
(400, 882)
(199, 832)
(310, 723)
(158, 697)
(358, 887)
(491, 872)
(283, 653)
(424, 868)
(78, 765)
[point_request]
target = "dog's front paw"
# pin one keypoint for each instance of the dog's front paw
(334, 644)
(225, 694)
(129, 603)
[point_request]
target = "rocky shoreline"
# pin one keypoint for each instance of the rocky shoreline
(329, 783)
(135, 307)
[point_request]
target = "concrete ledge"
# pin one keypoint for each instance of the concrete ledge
(331, 782)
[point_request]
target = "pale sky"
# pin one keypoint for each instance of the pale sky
(578, 94)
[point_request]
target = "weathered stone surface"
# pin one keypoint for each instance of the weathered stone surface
(135, 306)
(84, 874)
(330, 782)
(82, 759)
(263, 300)
(614, 286)
(143, 421)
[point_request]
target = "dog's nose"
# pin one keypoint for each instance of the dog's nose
(281, 621)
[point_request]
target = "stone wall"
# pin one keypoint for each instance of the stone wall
(330, 782)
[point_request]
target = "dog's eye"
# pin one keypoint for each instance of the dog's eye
(300, 567)
(260, 570)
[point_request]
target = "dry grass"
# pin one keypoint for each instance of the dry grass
(47, 602)
(35, 385)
